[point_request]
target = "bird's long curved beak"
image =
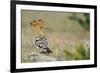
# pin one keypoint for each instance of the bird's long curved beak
(31, 24)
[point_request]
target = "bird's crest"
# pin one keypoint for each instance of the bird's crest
(38, 25)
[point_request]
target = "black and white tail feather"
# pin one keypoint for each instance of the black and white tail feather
(42, 43)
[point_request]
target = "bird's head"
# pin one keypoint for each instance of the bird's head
(38, 25)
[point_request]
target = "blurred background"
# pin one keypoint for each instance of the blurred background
(68, 35)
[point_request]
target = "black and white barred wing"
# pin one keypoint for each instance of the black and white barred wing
(40, 42)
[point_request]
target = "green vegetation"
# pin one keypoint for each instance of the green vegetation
(80, 53)
(84, 23)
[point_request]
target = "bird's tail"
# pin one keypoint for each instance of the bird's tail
(48, 50)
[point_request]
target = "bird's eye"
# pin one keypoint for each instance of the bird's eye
(40, 20)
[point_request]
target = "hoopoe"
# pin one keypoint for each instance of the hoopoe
(40, 39)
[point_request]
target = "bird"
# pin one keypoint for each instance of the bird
(40, 39)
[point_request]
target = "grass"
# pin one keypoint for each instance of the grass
(85, 23)
(80, 53)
